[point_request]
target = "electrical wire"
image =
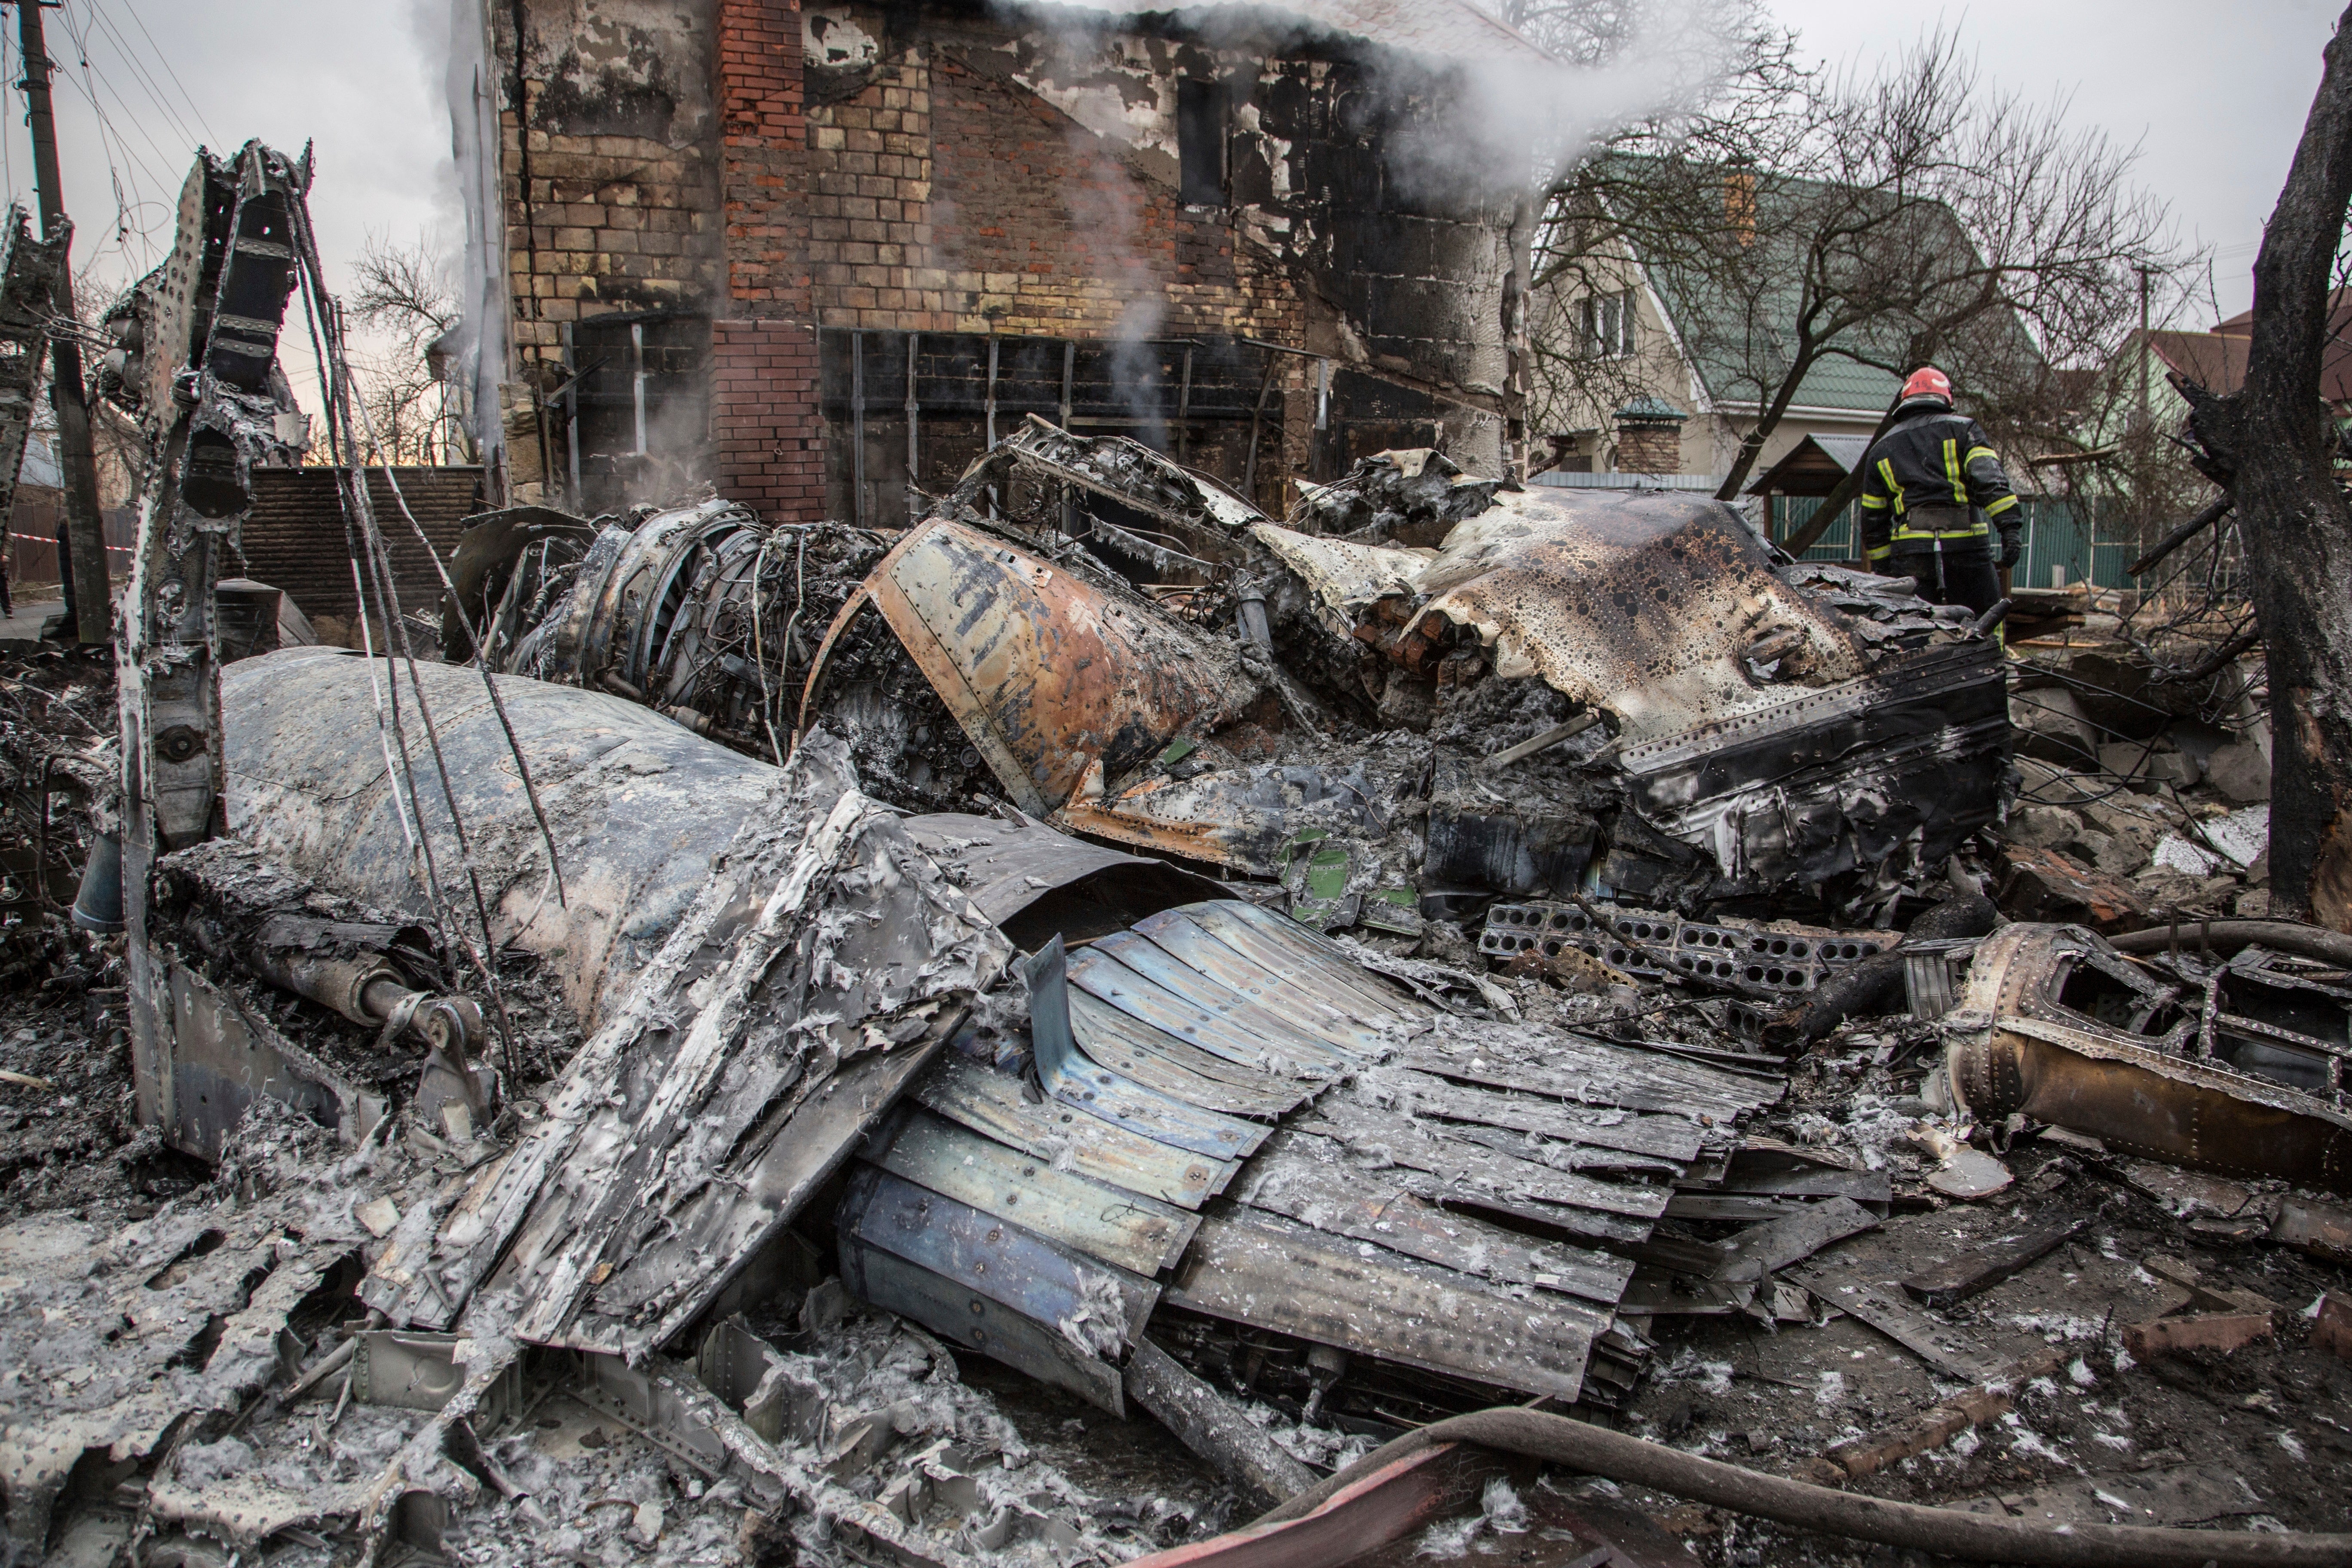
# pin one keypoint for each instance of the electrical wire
(165, 61)
(334, 375)
(154, 92)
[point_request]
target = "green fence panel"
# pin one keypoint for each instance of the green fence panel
(2065, 543)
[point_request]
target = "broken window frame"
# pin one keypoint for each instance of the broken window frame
(1203, 122)
(1609, 322)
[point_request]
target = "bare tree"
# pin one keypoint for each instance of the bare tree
(1913, 214)
(1740, 98)
(402, 295)
(2273, 443)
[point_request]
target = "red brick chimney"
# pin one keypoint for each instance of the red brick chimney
(1650, 436)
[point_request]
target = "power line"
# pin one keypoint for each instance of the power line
(165, 61)
(154, 93)
(111, 140)
(94, 79)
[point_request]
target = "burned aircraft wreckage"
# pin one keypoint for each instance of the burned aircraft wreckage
(1144, 657)
(1007, 917)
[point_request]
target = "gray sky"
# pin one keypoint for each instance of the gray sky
(360, 78)
(2215, 95)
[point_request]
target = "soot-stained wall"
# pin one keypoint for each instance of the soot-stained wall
(948, 169)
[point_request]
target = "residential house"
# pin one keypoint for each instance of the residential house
(821, 256)
(2136, 389)
(1625, 334)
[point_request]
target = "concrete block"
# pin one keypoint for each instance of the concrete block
(2043, 826)
(2220, 1331)
(2146, 769)
(2050, 724)
(2241, 773)
(2333, 1330)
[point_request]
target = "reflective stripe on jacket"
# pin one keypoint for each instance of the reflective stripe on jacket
(1931, 479)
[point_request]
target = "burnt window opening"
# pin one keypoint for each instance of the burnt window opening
(1201, 115)
(634, 417)
(1609, 325)
(1196, 399)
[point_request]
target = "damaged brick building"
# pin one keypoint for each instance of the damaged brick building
(811, 254)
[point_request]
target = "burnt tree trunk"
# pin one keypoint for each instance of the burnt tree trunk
(2275, 439)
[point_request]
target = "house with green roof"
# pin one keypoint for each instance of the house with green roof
(1621, 330)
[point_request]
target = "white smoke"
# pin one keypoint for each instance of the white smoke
(1104, 206)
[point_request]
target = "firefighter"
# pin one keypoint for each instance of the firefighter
(1932, 496)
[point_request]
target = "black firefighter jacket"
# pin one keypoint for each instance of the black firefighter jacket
(1934, 483)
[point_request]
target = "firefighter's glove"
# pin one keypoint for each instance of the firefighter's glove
(2012, 549)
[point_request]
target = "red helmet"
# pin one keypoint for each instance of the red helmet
(1927, 382)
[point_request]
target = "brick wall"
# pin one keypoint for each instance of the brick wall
(943, 199)
(768, 440)
(609, 174)
(293, 538)
(1651, 448)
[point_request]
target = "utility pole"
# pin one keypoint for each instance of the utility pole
(85, 530)
(2146, 348)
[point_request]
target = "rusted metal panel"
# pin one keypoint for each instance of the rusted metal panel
(2013, 1046)
(1050, 675)
(1270, 1273)
(1005, 1262)
(1237, 994)
(1302, 1178)
(1135, 1233)
(993, 1103)
(1074, 1079)
(1671, 1137)
(972, 1321)
(1330, 983)
(1416, 1145)
(1113, 982)
(1154, 1057)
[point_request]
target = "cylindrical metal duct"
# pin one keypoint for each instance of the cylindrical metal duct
(640, 807)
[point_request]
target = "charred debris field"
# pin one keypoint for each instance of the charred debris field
(1083, 1027)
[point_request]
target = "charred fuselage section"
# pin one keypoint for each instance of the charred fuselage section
(1113, 644)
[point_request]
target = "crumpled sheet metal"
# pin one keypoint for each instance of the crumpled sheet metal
(2013, 1047)
(1889, 771)
(1007, 867)
(764, 957)
(1122, 469)
(1346, 577)
(641, 808)
(736, 1076)
(1355, 1226)
(1644, 604)
(1242, 817)
(1056, 682)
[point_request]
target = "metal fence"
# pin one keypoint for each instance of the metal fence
(2065, 541)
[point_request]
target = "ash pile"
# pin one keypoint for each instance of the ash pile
(1042, 1036)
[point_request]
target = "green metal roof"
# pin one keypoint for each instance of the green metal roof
(1732, 342)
